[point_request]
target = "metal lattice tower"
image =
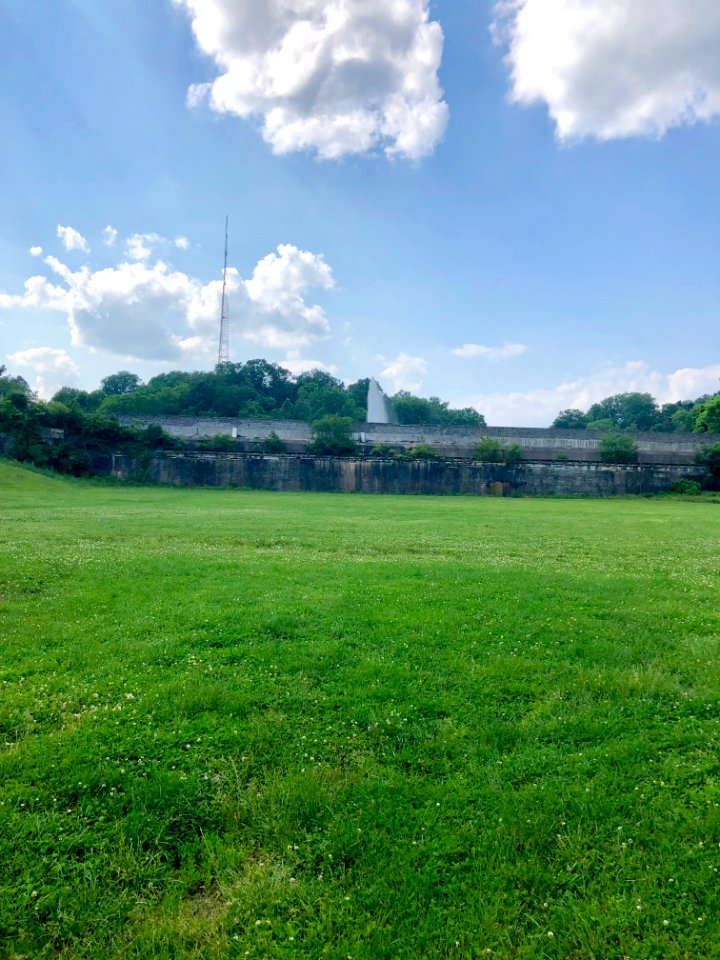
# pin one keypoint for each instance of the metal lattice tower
(224, 348)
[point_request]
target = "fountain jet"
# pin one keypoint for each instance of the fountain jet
(379, 408)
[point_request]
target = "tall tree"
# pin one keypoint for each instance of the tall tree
(627, 411)
(571, 419)
(706, 416)
(120, 383)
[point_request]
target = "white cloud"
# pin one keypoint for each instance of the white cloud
(336, 77)
(39, 293)
(36, 251)
(110, 235)
(147, 310)
(490, 353)
(405, 372)
(539, 407)
(297, 365)
(53, 368)
(614, 68)
(72, 240)
(139, 246)
(182, 243)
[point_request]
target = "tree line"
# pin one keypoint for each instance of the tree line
(255, 389)
(640, 411)
(259, 389)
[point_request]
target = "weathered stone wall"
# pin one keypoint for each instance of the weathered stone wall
(537, 443)
(438, 477)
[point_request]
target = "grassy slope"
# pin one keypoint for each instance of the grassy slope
(244, 724)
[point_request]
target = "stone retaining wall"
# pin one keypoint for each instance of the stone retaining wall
(437, 477)
(537, 443)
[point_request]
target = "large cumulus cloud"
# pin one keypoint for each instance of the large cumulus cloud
(147, 310)
(335, 77)
(614, 68)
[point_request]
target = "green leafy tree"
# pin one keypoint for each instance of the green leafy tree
(332, 436)
(706, 416)
(411, 409)
(571, 419)
(626, 411)
(80, 399)
(681, 420)
(417, 410)
(255, 388)
(464, 417)
(120, 383)
(319, 394)
(358, 392)
(13, 386)
(618, 448)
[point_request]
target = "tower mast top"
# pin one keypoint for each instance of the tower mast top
(224, 346)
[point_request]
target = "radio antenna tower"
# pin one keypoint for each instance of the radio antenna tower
(224, 348)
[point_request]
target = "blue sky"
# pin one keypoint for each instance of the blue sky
(516, 209)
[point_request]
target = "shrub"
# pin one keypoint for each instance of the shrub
(420, 452)
(488, 450)
(273, 444)
(710, 457)
(493, 451)
(154, 436)
(333, 437)
(618, 448)
(683, 485)
(379, 450)
(222, 442)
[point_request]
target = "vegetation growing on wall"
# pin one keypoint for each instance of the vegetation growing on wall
(273, 443)
(489, 450)
(421, 451)
(332, 437)
(618, 448)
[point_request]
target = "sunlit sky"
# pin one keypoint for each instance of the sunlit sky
(515, 207)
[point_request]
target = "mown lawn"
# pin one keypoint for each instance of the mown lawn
(242, 724)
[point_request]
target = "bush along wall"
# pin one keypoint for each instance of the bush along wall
(53, 436)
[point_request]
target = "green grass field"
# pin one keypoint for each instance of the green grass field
(243, 724)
